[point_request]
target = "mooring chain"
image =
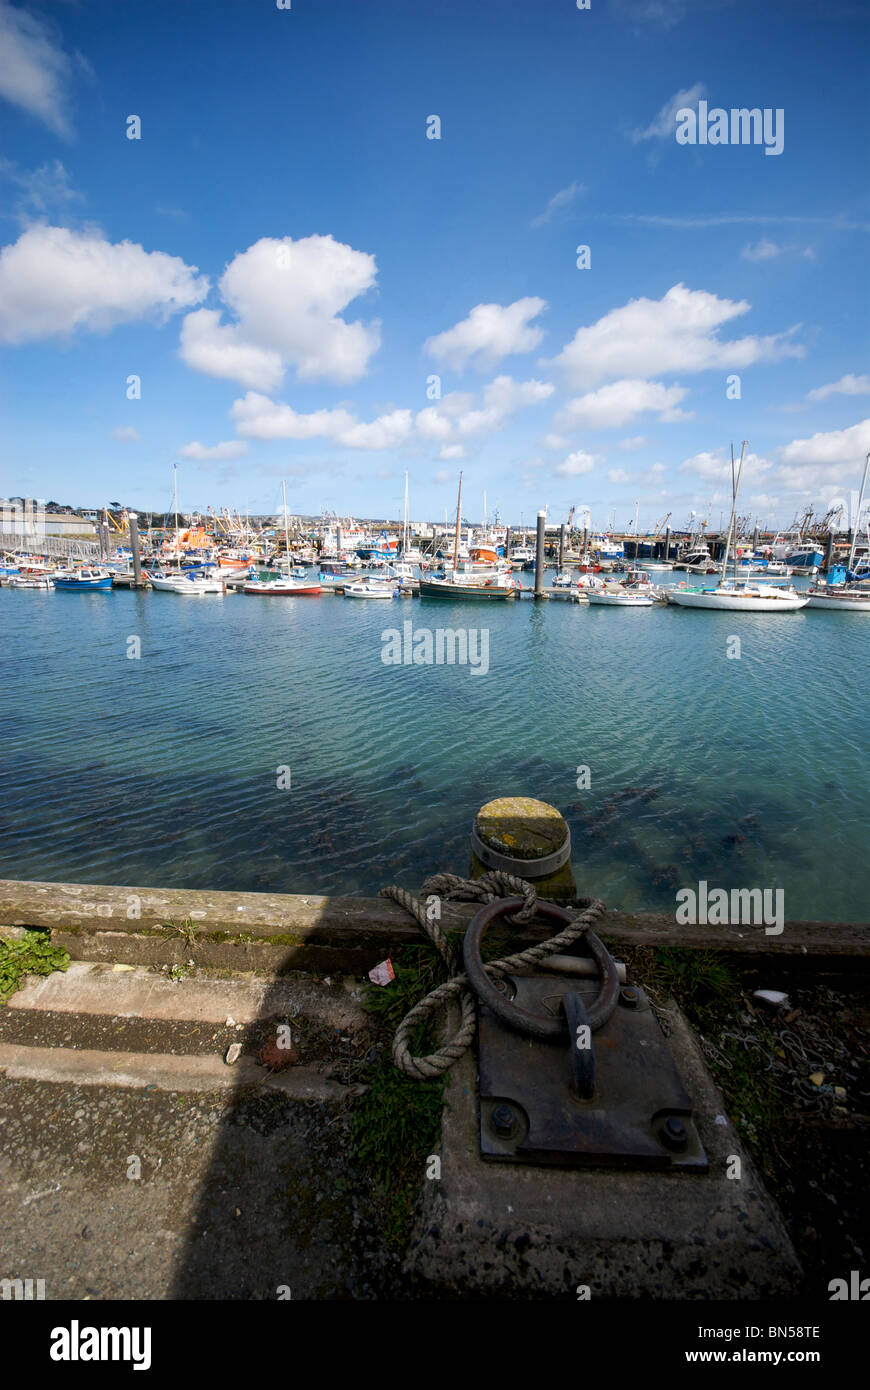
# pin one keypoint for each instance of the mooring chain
(450, 887)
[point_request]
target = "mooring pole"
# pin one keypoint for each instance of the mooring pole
(668, 543)
(133, 520)
(539, 556)
(562, 529)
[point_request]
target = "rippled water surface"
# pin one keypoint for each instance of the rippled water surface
(163, 770)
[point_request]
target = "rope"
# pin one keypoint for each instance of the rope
(450, 887)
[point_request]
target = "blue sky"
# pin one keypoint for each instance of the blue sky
(285, 260)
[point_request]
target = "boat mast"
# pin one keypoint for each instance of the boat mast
(456, 537)
(858, 517)
(177, 538)
(735, 488)
(405, 524)
(286, 536)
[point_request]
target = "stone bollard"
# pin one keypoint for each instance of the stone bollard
(528, 838)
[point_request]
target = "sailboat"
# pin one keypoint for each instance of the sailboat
(729, 594)
(468, 587)
(187, 583)
(285, 586)
(844, 592)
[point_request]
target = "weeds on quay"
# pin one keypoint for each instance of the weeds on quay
(33, 954)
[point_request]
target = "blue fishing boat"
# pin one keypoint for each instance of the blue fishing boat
(83, 581)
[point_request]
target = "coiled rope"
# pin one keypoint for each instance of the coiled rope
(450, 887)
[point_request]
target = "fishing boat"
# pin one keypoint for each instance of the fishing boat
(697, 560)
(730, 595)
(83, 581)
(454, 585)
(562, 581)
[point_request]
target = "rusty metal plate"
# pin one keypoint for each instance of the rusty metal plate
(639, 1115)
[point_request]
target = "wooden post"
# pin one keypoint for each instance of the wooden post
(562, 529)
(134, 547)
(667, 554)
(539, 556)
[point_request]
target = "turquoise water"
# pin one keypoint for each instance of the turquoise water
(163, 769)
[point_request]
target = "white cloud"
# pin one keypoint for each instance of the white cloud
(442, 476)
(287, 298)
(678, 333)
(849, 385)
(575, 464)
(506, 395)
(126, 434)
(432, 424)
(258, 417)
(227, 449)
(716, 466)
(766, 250)
(53, 281)
(554, 441)
(664, 126)
(452, 451)
(620, 402)
(382, 433)
(33, 68)
(563, 199)
(45, 192)
(617, 475)
(838, 446)
(636, 441)
(491, 332)
(221, 350)
(458, 414)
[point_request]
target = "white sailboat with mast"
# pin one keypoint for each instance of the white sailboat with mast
(844, 593)
(729, 594)
(285, 586)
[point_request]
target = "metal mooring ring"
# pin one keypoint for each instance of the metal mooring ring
(523, 1020)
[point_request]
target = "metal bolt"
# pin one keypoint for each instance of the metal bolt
(629, 997)
(500, 986)
(504, 1121)
(673, 1133)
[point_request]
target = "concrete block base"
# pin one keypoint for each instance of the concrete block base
(512, 1230)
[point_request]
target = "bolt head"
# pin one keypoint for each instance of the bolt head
(673, 1133)
(504, 1121)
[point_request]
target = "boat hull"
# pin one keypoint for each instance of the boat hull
(736, 602)
(84, 586)
(620, 600)
(849, 603)
(276, 589)
(478, 593)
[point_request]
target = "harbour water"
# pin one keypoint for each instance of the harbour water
(164, 768)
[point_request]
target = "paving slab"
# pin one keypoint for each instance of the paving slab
(89, 987)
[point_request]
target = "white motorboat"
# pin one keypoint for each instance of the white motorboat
(188, 585)
(617, 597)
(368, 588)
(32, 581)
